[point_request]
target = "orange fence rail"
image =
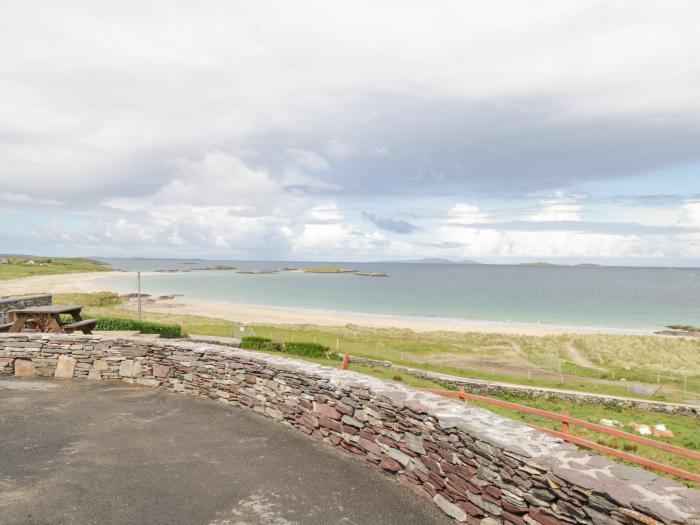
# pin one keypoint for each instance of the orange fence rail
(565, 434)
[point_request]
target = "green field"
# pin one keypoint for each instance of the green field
(16, 267)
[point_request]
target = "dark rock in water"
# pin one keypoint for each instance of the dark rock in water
(680, 331)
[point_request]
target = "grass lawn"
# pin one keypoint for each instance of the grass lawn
(17, 267)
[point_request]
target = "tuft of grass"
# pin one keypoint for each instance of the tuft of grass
(89, 299)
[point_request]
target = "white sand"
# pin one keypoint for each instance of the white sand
(95, 281)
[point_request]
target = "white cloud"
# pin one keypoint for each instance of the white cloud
(464, 213)
(484, 242)
(558, 207)
(19, 198)
(307, 160)
(339, 150)
(326, 212)
(690, 214)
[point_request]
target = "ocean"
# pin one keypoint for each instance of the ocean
(604, 297)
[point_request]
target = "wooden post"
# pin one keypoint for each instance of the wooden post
(565, 424)
(346, 361)
(139, 293)
(337, 343)
(461, 394)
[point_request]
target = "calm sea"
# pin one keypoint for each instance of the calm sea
(638, 298)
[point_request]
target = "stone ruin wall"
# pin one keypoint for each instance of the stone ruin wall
(19, 302)
(476, 466)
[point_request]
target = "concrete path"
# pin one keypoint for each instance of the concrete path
(110, 453)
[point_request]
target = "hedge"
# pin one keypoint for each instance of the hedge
(166, 331)
(252, 342)
(307, 349)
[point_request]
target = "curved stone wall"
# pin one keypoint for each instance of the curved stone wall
(476, 466)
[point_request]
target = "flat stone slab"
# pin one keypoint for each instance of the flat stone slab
(65, 368)
(112, 453)
(24, 368)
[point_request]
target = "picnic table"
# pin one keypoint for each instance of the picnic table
(48, 319)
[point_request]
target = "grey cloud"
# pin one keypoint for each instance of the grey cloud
(392, 225)
(495, 147)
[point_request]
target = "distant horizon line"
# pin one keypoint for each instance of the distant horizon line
(541, 263)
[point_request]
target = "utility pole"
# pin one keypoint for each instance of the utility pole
(139, 293)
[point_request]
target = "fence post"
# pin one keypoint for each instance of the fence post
(565, 423)
(138, 274)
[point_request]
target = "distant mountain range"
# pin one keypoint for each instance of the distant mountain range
(539, 264)
(552, 265)
(437, 260)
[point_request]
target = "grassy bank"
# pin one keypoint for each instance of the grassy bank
(17, 267)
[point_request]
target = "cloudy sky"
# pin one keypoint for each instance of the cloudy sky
(489, 130)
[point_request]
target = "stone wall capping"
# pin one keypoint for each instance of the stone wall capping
(475, 465)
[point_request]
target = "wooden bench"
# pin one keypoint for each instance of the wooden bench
(85, 326)
(5, 327)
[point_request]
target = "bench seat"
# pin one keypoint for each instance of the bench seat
(85, 326)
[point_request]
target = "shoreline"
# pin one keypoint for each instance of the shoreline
(258, 314)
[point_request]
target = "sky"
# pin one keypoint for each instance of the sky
(496, 131)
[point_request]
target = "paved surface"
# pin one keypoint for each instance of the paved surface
(110, 453)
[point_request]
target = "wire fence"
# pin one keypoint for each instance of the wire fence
(654, 381)
(545, 368)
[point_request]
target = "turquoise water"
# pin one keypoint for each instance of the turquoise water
(637, 298)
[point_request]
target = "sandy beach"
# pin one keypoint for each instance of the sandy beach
(253, 314)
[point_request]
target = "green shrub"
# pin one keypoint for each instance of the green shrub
(166, 331)
(307, 349)
(256, 343)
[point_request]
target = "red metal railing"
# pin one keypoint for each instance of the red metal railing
(566, 420)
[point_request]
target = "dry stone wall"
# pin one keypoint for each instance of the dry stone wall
(476, 466)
